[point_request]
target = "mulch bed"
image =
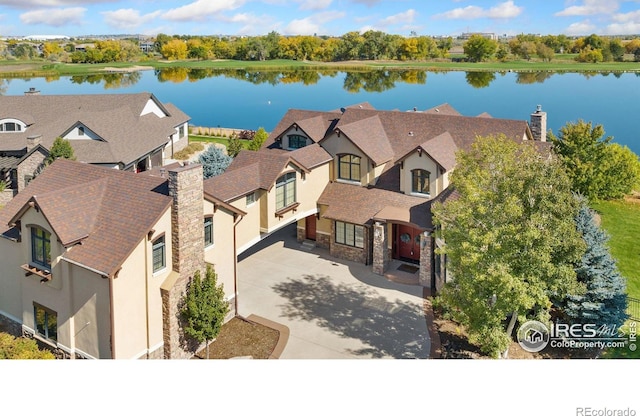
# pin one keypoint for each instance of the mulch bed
(242, 338)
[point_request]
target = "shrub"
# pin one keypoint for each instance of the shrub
(21, 349)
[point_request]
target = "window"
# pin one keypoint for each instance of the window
(285, 190)
(10, 127)
(181, 132)
(349, 234)
(159, 254)
(208, 231)
(46, 322)
(41, 247)
(349, 167)
(251, 198)
(420, 181)
(297, 141)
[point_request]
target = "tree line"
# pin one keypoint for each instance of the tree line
(367, 46)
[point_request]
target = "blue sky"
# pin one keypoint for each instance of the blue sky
(322, 17)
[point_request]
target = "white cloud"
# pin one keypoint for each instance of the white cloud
(314, 4)
(201, 9)
(627, 17)
(590, 7)
(369, 3)
(400, 18)
(128, 18)
(312, 24)
(624, 23)
(54, 17)
(580, 28)
(505, 10)
(29, 4)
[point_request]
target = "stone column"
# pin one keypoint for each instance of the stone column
(426, 254)
(380, 248)
(187, 248)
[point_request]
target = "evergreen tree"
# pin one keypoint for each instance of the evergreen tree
(60, 148)
(214, 161)
(234, 147)
(204, 307)
(605, 300)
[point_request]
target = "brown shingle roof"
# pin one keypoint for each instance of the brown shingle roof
(115, 118)
(110, 211)
(370, 137)
(358, 205)
(311, 156)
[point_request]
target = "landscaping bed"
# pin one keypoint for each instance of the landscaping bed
(242, 338)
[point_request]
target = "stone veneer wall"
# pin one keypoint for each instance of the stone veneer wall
(426, 254)
(9, 325)
(323, 240)
(359, 255)
(301, 233)
(187, 242)
(28, 167)
(6, 196)
(538, 125)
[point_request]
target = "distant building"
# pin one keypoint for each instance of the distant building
(487, 35)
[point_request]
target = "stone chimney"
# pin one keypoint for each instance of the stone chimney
(33, 141)
(187, 248)
(538, 125)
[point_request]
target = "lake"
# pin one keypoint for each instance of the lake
(248, 100)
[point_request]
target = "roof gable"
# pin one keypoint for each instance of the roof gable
(370, 137)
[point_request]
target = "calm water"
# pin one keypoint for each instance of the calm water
(251, 100)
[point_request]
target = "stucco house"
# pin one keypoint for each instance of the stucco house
(360, 181)
(132, 132)
(95, 260)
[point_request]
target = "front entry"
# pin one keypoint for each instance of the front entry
(310, 227)
(407, 243)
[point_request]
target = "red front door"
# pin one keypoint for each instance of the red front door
(310, 226)
(408, 242)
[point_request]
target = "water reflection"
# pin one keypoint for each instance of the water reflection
(373, 80)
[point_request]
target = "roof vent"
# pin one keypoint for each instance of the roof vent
(415, 108)
(410, 133)
(538, 108)
(342, 110)
(32, 91)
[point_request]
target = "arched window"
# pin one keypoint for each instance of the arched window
(10, 126)
(297, 141)
(420, 181)
(349, 167)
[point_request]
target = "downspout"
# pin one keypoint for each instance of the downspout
(112, 318)
(235, 267)
(146, 292)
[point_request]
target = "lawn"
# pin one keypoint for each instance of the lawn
(213, 139)
(621, 220)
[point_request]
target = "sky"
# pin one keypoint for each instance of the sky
(320, 17)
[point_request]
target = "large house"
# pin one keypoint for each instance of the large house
(95, 261)
(132, 132)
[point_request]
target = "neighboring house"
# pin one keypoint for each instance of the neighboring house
(359, 181)
(132, 132)
(95, 261)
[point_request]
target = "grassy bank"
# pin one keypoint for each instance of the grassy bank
(621, 220)
(213, 139)
(563, 63)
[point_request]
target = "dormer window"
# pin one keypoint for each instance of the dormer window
(10, 127)
(420, 182)
(297, 141)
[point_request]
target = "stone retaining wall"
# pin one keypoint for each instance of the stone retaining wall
(214, 131)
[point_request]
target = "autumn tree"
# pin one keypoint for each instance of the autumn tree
(174, 49)
(510, 239)
(12, 348)
(478, 48)
(204, 308)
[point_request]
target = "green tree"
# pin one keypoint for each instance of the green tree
(204, 307)
(605, 300)
(478, 48)
(597, 168)
(259, 138)
(510, 239)
(12, 348)
(61, 148)
(234, 147)
(214, 161)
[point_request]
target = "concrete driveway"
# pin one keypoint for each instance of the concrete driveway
(333, 308)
